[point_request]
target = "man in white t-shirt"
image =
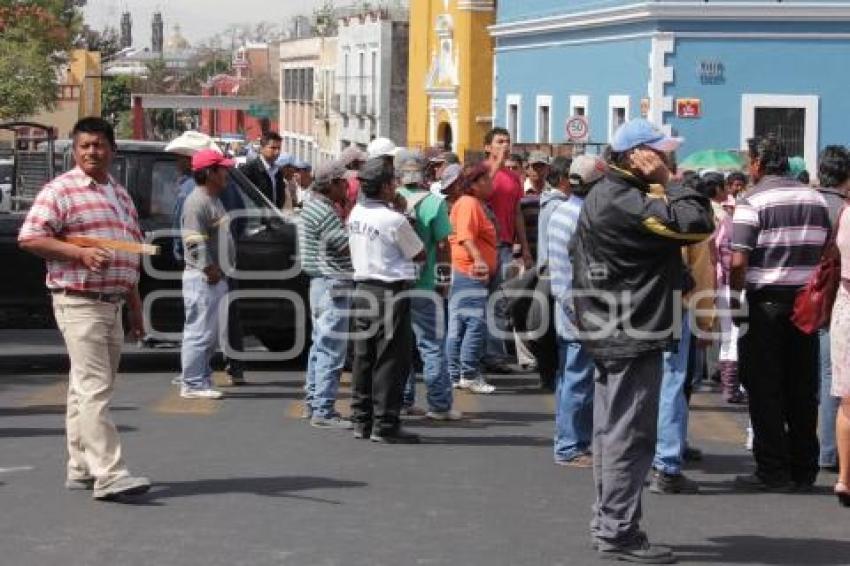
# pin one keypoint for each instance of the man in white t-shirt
(384, 253)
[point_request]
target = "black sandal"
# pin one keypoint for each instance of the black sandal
(842, 494)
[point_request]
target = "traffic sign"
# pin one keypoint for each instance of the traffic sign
(578, 130)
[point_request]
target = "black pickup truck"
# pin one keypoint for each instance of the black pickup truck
(274, 293)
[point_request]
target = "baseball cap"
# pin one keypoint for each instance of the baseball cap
(587, 169)
(209, 158)
(190, 142)
(643, 132)
(409, 166)
(537, 157)
(329, 171)
(450, 175)
(381, 147)
(351, 154)
(375, 170)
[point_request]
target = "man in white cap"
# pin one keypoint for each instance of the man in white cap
(627, 269)
(185, 146)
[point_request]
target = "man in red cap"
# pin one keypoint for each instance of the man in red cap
(207, 247)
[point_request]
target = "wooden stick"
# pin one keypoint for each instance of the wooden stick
(118, 245)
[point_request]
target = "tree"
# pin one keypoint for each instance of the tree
(107, 42)
(115, 97)
(35, 37)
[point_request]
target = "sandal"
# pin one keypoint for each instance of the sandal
(843, 494)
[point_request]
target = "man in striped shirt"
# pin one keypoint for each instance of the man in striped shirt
(574, 378)
(779, 230)
(326, 259)
(89, 286)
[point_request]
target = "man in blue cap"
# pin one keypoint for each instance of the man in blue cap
(627, 270)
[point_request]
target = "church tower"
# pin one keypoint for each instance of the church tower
(126, 30)
(156, 33)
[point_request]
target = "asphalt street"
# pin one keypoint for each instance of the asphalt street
(244, 481)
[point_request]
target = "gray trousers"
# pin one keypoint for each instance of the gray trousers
(625, 417)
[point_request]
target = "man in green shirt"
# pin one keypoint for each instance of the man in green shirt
(430, 217)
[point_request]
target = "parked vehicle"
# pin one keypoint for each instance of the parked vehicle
(266, 254)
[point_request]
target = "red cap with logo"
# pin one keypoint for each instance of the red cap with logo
(209, 158)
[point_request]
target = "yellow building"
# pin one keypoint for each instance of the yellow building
(450, 88)
(79, 93)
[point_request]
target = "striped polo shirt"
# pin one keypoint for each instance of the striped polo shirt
(74, 204)
(783, 226)
(323, 240)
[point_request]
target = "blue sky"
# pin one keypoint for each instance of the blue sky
(198, 19)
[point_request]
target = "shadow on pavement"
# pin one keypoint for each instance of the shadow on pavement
(28, 410)
(753, 549)
(6, 432)
(724, 464)
(278, 486)
(518, 440)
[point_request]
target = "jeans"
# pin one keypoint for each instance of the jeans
(201, 328)
(429, 328)
(673, 407)
(828, 405)
(496, 347)
(573, 401)
(330, 300)
(467, 327)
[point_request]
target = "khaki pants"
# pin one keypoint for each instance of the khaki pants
(93, 336)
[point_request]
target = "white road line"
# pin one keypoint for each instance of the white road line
(16, 469)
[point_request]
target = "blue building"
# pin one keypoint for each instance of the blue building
(714, 72)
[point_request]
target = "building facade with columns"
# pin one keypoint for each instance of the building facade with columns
(299, 67)
(714, 73)
(450, 102)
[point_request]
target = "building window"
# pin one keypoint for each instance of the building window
(362, 76)
(345, 82)
(579, 105)
(373, 101)
(544, 119)
(792, 118)
(618, 113)
(513, 116)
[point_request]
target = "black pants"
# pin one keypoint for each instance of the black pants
(778, 365)
(382, 355)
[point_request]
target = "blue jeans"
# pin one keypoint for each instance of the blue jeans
(330, 300)
(573, 400)
(496, 347)
(201, 329)
(429, 327)
(828, 405)
(467, 327)
(673, 407)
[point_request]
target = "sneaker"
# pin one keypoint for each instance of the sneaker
(177, 380)
(464, 383)
(753, 482)
(481, 387)
(580, 461)
(662, 482)
(641, 551)
(335, 422)
(236, 380)
(126, 486)
(306, 412)
(362, 430)
(456, 384)
(399, 436)
(748, 444)
(413, 411)
(85, 484)
(450, 415)
(209, 393)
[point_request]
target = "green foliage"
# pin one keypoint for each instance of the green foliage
(116, 97)
(35, 36)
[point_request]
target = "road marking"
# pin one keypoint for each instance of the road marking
(16, 469)
(174, 404)
(55, 394)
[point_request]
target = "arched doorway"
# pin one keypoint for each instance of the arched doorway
(444, 135)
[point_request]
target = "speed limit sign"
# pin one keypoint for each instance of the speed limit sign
(578, 129)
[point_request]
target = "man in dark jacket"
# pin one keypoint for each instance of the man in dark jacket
(264, 172)
(628, 271)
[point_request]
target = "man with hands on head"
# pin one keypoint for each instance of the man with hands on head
(89, 285)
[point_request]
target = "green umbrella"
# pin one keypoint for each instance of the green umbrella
(721, 160)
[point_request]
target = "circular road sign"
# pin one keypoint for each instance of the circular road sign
(577, 129)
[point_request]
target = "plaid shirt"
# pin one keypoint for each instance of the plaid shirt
(74, 204)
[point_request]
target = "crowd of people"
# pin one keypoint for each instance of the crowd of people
(659, 282)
